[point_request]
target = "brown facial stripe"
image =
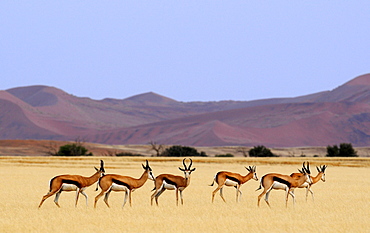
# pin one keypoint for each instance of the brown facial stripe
(233, 179)
(121, 183)
(169, 182)
(65, 181)
(282, 181)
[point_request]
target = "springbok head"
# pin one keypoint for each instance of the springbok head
(322, 170)
(306, 171)
(148, 169)
(101, 169)
(187, 170)
(252, 170)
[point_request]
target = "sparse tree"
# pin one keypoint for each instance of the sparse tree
(110, 153)
(291, 154)
(158, 148)
(50, 149)
(243, 150)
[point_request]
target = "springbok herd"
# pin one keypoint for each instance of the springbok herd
(114, 182)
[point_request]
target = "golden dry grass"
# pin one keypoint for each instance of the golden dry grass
(341, 204)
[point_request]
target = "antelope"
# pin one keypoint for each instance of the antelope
(317, 178)
(278, 181)
(172, 182)
(113, 182)
(281, 186)
(72, 183)
(232, 179)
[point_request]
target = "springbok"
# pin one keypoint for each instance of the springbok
(278, 181)
(72, 183)
(172, 182)
(317, 178)
(232, 179)
(112, 182)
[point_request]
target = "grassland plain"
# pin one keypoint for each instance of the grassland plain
(341, 203)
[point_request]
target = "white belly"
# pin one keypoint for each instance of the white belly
(230, 183)
(277, 185)
(304, 185)
(69, 187)
(118, 188)
(168, 186)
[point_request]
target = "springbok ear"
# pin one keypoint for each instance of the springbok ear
(192, 169)
(143, 166)
(96, 169)
(181, 169)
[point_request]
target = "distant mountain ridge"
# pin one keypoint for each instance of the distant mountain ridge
(318, 119)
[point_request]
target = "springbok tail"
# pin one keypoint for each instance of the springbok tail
(259, 186)
(262, 178)
(214, 178)
(97, 184)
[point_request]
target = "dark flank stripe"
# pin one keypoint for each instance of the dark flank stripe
(65, 181)
(169, 182)
(121, 183)
(275, 178)
(233, 179)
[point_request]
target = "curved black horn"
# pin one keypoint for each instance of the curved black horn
(191, 162)
(102, 166)
(303, 170)
(308, 168)
(183, 162)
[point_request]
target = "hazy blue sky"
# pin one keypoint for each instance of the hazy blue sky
(185, 50)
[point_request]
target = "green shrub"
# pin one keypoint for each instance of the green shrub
(261, 151)
(127, 154)
(181, 151)
(225, 155)
(344, 150)
(73, 150)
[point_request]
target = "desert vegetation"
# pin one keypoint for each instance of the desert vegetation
(341, 203)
